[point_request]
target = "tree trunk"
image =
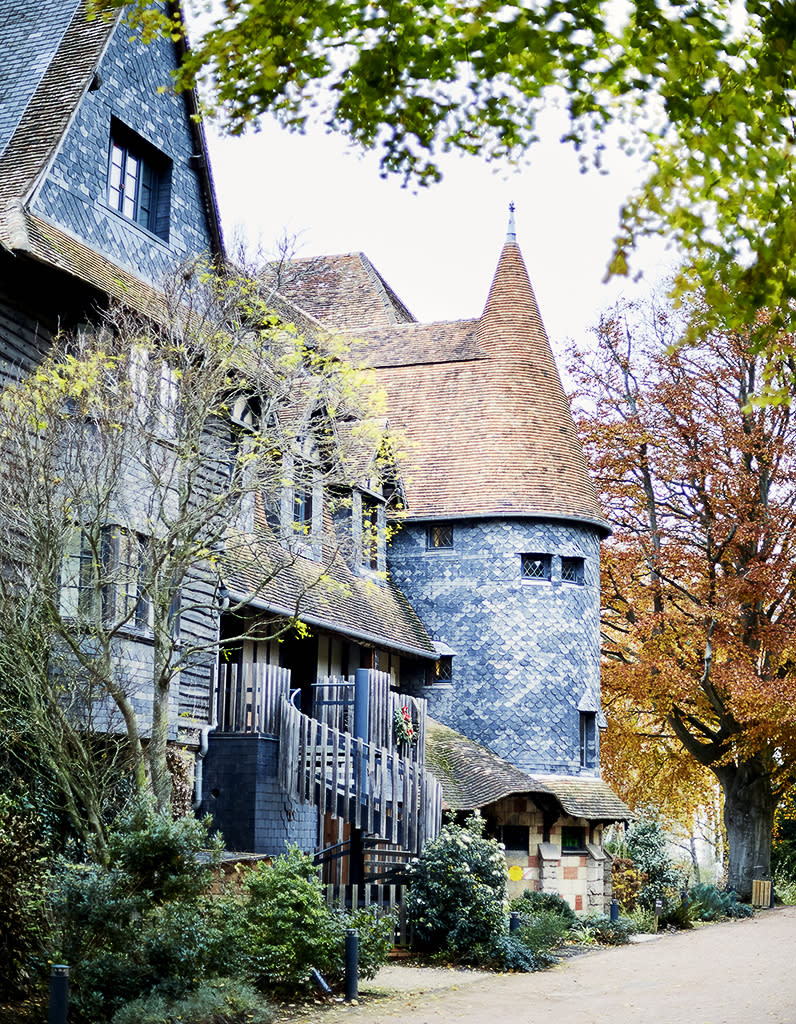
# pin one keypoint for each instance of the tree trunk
(749, 819)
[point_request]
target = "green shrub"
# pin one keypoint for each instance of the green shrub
(508, 952)
(785, 889)
(646, 846)
(600, 928)
(543, 932)
(22, 923)
(218, 1002)
(457, 891)
(376, 938)
(290, 929)
(531, 903)
(677, 915)
(642, 919)
(138, 924)
(709, 903)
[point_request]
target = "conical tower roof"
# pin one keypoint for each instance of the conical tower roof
(480, 401)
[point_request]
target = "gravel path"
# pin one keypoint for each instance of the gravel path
(739, 972)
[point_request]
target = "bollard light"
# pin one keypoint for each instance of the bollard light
(351, 964)
(614, 910)
(514, 921)
(59, 994)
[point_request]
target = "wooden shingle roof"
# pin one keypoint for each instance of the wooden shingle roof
(473, 777)
(480, 400)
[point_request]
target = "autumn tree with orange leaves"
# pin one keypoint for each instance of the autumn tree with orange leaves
(699, 577)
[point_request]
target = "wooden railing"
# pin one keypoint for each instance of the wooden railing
(249, 698)
(369, 786)
(333, 704)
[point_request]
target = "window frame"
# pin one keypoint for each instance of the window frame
(546, 562)
(576, 563)
(578, 850)
(589, 743)
(443, 671)
(434, 532)
(370, 533)
(135, 164)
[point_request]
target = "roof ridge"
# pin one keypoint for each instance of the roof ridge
(392, 299)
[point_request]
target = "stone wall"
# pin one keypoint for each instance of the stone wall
(526, 650)
(578, 877)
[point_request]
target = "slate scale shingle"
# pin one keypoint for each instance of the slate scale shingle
(60, 48)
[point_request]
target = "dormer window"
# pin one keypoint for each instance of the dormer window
(302, 508)
(139, 181)
(370, 533)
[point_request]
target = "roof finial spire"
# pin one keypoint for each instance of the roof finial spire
(511, 234)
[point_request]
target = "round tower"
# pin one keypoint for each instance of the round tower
(499, 549)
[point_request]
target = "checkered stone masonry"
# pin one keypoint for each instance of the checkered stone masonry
(75, 189)
(526, 650)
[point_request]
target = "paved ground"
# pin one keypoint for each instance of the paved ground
(740, 972)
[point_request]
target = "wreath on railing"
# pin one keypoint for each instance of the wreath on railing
(403, 726)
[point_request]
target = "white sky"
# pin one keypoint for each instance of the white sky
(438, 247)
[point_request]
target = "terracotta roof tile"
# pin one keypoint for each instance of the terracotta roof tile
(481, 402)
(344, 292)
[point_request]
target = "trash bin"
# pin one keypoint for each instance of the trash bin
(761, 892)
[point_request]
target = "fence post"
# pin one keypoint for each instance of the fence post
(351, 964)
(59, 994)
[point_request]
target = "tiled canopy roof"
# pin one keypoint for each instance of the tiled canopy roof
(480, 400)
(326, 594)
(53, 51)
(472, 777)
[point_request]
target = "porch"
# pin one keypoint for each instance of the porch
(372, 803)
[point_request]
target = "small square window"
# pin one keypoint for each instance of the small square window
(443, 669)
(439, 535)
(139, 180)
(536, 567)
(573, 839)
(571, 569)
(516, 837)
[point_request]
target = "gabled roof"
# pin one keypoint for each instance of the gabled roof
(50, 53)
(473, 777)
(343, 292)
(480, 400)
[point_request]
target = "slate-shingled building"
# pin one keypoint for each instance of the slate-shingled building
(105, 189)
(489, 611)
(498, 552)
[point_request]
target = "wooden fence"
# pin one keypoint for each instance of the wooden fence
(388, 898)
